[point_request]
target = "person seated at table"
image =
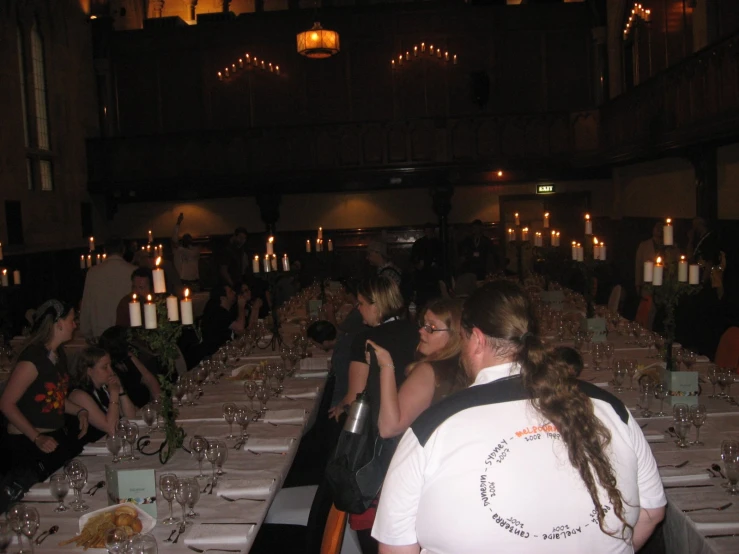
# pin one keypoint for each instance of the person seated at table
(97, 388)
(322, 333)
(137, 381)
(218, 324)
(141, 285)
(528, 450)
(35, 399)
(251, 309)
(437, 375)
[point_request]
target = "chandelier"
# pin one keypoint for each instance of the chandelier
(430, 53)
(318, 42)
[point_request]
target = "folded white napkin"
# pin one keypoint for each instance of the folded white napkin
(95, 449)
(276, 444)
(702, 359)
(245, 487)
(40, 491)
(312, 374)
(680, 479)
(654, 437)
(603, 385)
(718, 528)
(203, 534)
(320, 363)
(307, 394)
(284, 416)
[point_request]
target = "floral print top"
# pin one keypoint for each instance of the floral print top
(43, 402)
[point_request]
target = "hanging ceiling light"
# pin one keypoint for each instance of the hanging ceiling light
(318, 42)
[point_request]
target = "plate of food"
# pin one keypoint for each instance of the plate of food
(95, 525)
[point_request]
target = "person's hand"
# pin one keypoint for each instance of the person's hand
(336, 411)
(46, 444)
(241, 301)
(383, 356)
(114, 384)
(180, 218)
(84, 419)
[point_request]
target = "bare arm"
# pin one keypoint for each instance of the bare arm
(407, 549)
(358, 373)
(645, 525)
(98, 418)
(23, 375)
(239, 323)
(400, 408)
(254, 316)
(147, 378)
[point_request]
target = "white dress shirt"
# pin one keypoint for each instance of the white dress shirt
(105, 285)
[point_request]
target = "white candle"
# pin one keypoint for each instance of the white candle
(658, 273)
(667, 235)
(556, 239)
(255, 265)
(151, 238)
(82, 262)
(330, 245)
(596, 251)
(537, 239)
(92, 244)
(603, 251)
(266, 264)
(104, 257)
(517, 219)
(16, 277)
(134, 312)
(307, 246)
(89, 261)
(319, 245)
(285, 263)
(150, 314)
(158, 275)
(525, 234)
(186, 309)
(695, 274)
(682, 270)
(580, 252)
(511, 235)
(588, 225)
(574, 251)
(270, 246)
(648, 271)
(546, 220)
(98, 259)
(273, 262)
(5, 278)
(1, 250)
(320, 232)
(172, 312)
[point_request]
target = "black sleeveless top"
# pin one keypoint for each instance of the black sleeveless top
(101, 398)
(43, 402)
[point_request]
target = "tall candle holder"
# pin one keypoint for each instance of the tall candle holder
(518, 237)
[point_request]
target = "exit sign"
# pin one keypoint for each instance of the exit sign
(545, 189)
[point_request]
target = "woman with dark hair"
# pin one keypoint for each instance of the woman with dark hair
(136, 380)
(35, 398)
(528, 455)
(97, 388)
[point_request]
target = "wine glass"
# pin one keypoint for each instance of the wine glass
(722, 377)
(732, 476)
(15, 519)
(211, 454)
(229, 409)
(77, 473)
(619, 374)
(182, 495)
(698, 414)
(193, 497)
(660, 393)
(677, 355)
(150, 415)
(222, 458)
(632, 369)
(263, 395)
(141, 544)
(132, 434)
(59, 487)
(659, 344)
(192, 391)
(250, 388)
(645, 397)
(242, 417)
(115, 540)
(167, 485)
(114, 444)
(198, 444)
(608, 350)
(597, 355)
(681, 422)
(279, 377)
(689, 358)
(713, 372)
(29, 525)
(179, 392)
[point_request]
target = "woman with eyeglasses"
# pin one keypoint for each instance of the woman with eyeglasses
(436, 375)
(35, 398)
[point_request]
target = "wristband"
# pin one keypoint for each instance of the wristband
(113, 402)
(36, 438)
(387, 366)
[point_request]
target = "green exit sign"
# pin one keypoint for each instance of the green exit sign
(545, 189)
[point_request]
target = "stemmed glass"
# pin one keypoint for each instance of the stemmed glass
(645, 397)
(15, 519)
(120, 429)
(29, 525)
(242, 417)
(597, 354)
(681, 421)
(250, 388)
(722, 377)
(619, 374)
(211, 454)
(698, 414)
(59, 487)
(77, 473)
(659, 344)
(229, 409)
(180, 389)
(730, 457)
(689, 358)
(608, 350)
(150, 415)
(167, 485)
(182, 495)
(115, 540)
(263, 395)
(132, 434)
(713, 373)
(198, 445)
(279, 377)
(193, 497)
(660, 393)
(222, 458)
(114, 444)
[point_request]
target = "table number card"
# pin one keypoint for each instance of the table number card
(682, 387)
(137, 486)
(597, 326)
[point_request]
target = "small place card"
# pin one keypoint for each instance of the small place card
(137, 486)
(597, 326)
(682, 387)
(314, 306)
(555, 299)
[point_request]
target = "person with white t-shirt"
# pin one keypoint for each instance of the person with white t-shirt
(528, 459)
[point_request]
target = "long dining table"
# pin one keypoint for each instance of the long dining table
(694, 490)
(254, 474)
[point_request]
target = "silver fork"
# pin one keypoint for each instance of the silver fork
(681, 464)
(719, 509)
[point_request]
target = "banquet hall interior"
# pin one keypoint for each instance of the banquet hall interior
(312, 135)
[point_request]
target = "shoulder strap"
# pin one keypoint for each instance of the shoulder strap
(508, 389)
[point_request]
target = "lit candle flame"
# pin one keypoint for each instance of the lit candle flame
(669, 221)
(187, 293)
(595, 240)
(159, 260)
(148, 298)
(587, 216)
(659, 260)
(133, 299)
(271, 239)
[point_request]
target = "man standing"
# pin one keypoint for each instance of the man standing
(186, 257)
(104, 286)
(142, 286)
(477, 253)
(648, 251)
(232, 260)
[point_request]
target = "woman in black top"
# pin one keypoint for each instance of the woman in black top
(136, 379)
(35, 398)
(97, 388)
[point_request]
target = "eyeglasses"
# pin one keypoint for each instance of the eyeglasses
(431, 329)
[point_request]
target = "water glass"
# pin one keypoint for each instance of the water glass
(115, 540)
(198, 445)
(193, 497)
(114, 444)
(229, 410)
(77, 473)
(660, 393)
(619, 374)
(732, 476)
(645, 398)
(698, 414)
(182, 495)
(141, 544)
(29, 525)
(59, 488)
(167, 485)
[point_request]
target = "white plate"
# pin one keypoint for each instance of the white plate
(147, 522)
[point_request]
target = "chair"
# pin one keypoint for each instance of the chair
(614, 301)
(333, 535)
(727, 353)
(643, 311)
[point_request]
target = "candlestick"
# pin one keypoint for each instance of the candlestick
(588, 225)
(151, 237)
(285, 263)
(320, 232)
(580, 252)
(186, 309)
(546, 220)
(4, 280)
(667, 235)
(270, 246)
(307, 246)
(517, 219)
(89, 261)
(82, 261)
(92, 244)
(255, 265)
(266, 265)
(134, 312)
(602, 252)
(16, 277)
(682, 270)
(150, 314)
(330, 245)
(596, 249)
(172, 312)
(511, 235)
(158, 275)
(525, 234)
(648, 271)
(659, 270)
(695, 274)
(273, 262)
(574, 251)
